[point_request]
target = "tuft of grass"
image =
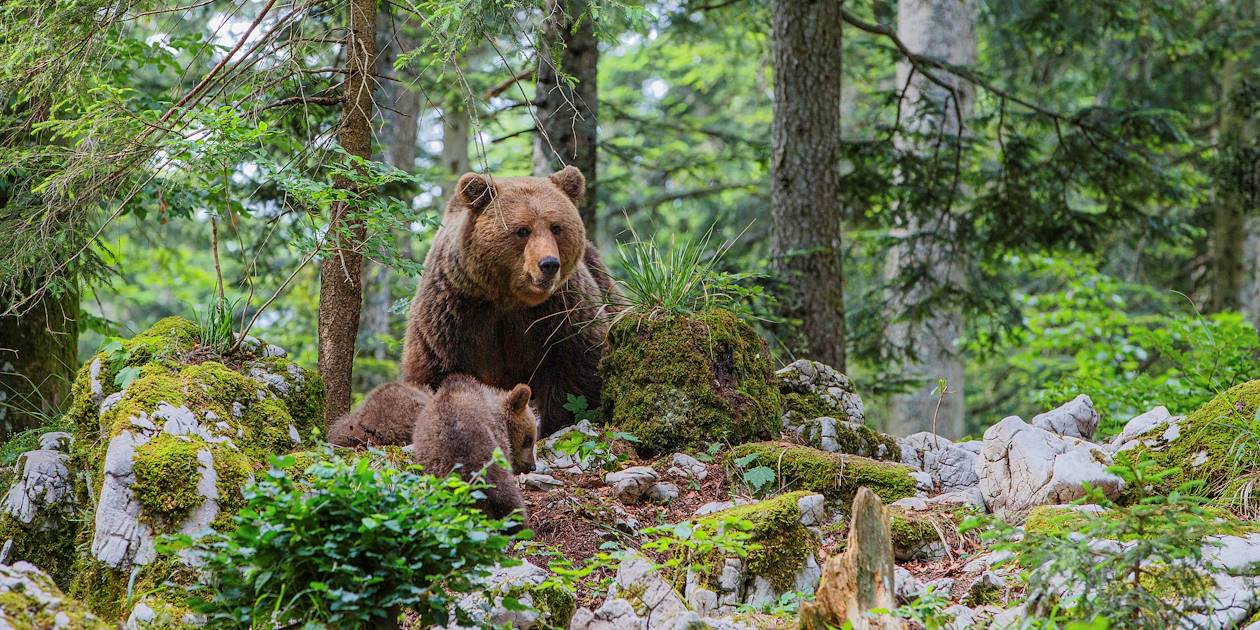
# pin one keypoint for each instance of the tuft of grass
(28, 440)
(214, 325)
(678, 277)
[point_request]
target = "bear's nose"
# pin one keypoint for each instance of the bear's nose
(549, 265)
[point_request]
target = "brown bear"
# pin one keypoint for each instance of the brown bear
(512, 292)
(463, 425)
(386, 417)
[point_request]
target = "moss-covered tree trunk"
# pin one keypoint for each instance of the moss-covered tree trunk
(566, 133)
(805, 173)
(38, 360)
(341, 285)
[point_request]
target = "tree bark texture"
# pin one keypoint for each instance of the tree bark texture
(38, 361)
(566, 133)
(944, 29)
(341, 288)
(455, 137)
(805, 229)
(1238, 179)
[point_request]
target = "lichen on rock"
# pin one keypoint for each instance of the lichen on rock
(834, 475)
(681, 382)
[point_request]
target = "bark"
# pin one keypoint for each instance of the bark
(455, 137)
(944, 29)
(38, 360)
(567, 114)
(805, 213)
(341, 288)
(1238, 180)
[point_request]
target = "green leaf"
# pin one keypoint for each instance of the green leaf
(125, 376)
(744, 461)
(758, 477)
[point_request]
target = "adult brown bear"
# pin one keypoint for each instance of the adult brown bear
(512, 293)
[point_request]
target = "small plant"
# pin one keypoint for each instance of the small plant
(687, 542)
(594, 451)
(926, 609)
(214, 325)
(787, 605)
(1134, 565)
(346, 543)
(580, 408)
(710, 452)
(758, 477)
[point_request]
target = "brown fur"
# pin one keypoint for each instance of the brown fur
(462, 427)
(484, 307)
(386, 417)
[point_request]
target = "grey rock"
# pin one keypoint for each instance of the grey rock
(1076, 418)
(56, 441)
(1009, 618)
(485, 606)
(632, 483)
(549, 458)
(684, 465)
(34, 601)
(662, 492)
(804, 376)
(969, 497)
(949, 465)
(813, 509)
(907, 587)
(987, 561)
(984, 587)
(539, 481)
(656, 600)
(43, 486)
(962, 616)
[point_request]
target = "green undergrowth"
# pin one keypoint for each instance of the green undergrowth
(833, 475)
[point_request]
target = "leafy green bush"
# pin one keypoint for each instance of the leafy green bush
(1128, 346)
(346, 542)
(1134, 565)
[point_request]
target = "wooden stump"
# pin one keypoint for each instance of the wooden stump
(859, 579)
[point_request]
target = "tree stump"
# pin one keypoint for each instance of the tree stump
(859, 579)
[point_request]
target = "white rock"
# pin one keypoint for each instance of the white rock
(1023, 466)
(56, 441)
(539, 481)
(1009, 618)
(120, 538)
(987, 561)
(684, 465)
(813, 509)
(43, 484)
(632, 483)
(485, 606)
(1076, 418)
(657, 600)
(907, 587)
(948, 465)
(805, 376)
(1141, 424)
(662, 492)
(614, 614)
(963, 616)
(1235, 555)
(968, 497)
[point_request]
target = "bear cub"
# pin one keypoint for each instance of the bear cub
(387, 417)
(463, 424)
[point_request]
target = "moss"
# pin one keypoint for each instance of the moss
(104, 590)
(834, 475)
(1211, 436)
(782, 543)
(143, 396)
(234, 469)
(167, 472)
(305, 400)
(800, 407)
(554, 603)
(50, 546)
(21, 611)
(856, 439)
(684, 381)
(910, 531)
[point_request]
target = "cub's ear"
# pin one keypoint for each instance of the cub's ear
(476, 191)
(570, 181)
(518, 398)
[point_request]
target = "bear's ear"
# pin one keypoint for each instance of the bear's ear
(570, 181)
(518, 398)
(475, 190)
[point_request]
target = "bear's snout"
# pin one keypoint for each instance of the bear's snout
(549, 266)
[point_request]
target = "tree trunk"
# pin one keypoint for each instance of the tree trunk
(1238, 170)
(38, 361)
(455, 137)
(944, 29)
(341, 288)
(805, 214)
(566, 131)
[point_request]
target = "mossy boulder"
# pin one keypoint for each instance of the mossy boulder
(681, 382)
(1218, 444)
(836, 476)
(30, 600)
(816, 390)
(40, 512)
(923, 534)
(840, 436)
(166, 433)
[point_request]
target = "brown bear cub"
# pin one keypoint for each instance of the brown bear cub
(465, 423)
(387, 417)
(512, 292)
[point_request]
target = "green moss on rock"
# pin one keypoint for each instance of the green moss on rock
(854, 439)
(167, 472)
(800, 407)
(1062, 520)
(781, 543)
(834, 475)
(555, 604)
(49, 546)
(680, 382)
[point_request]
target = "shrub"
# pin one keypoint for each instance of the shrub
(345, 543)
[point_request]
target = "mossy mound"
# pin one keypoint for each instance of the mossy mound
(923, 534)
(1219, 444)
(839, 436)
(1063, 520)
(166, 433)
(681, 382)
(782, 543)
(836, 476)
(30, 600)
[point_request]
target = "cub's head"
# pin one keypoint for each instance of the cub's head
(523, 236)
(522, 428)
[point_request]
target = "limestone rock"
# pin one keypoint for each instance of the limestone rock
(662, 492)
(834, 475)
(860, 578)
(632, 483)
(1075, 418)
(551, 458)
(1022, 466)
(44, 485)
(539, 481)
(951, 467)
(685, 466)
(32, 600)
(842, 436)
(550, 606)
(812, 390)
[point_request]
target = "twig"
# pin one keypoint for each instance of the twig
(525, 73)
(304, 100)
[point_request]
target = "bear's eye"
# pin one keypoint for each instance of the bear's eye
(522, 232)
(555, 229)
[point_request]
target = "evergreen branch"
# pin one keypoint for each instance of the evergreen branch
(304, 100)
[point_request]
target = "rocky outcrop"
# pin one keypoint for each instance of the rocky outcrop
(1075, 418)
(952, 468)
(30, 599)
(1022, 466)
(815, 390)
(641, 599)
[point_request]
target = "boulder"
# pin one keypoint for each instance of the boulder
(551, 458)
(833, 475)
(30, 599)
(1075, 418)
(632, 483)
(539, 481)
(683, 381)
(842, 436)
(1022, 466)
(815, 390)
(39, 510)
(951, 467)
(549, 605)
(685, 466)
